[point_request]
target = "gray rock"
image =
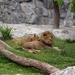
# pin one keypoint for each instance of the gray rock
(51, 14)
(3, 1)
(61, 33)
(50, 21)
(64, 34)
(21, 1)
(48, 4)
(67, 71)
(39, 4)
(44, 20)
(15, 18)
(68, 21)
(45, 12)
(39, 12)
(73, 22)
(30, 15)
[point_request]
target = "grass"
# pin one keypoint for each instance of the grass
(61, 60)
(5, 32)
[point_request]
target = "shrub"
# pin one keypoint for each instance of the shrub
(70, 41)
(5, 33)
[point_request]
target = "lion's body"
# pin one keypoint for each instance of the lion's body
(25, 39)
(45, 41)
(33, 45)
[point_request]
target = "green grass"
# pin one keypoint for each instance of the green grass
(5, 32)
(61, 60)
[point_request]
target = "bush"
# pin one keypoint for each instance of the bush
(70, 41)
(5, 32)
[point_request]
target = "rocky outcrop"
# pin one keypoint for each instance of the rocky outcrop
(33, 12)
(67, 71)
(61, 33)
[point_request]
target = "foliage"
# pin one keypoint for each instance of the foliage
(62, 59)
(59, 2)
(73, 5)
(5, 32)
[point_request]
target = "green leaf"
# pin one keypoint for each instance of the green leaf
(59, 2)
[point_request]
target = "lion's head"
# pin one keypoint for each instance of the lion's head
(33, 37)
(47, 38)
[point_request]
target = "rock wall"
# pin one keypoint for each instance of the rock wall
(33, 12)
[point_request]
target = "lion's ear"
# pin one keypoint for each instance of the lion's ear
(44, 34)
(34, 35)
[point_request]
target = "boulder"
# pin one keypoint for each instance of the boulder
(64, 34)
(67, 71)
(61, 33)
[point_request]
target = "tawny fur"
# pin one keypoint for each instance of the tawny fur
(47, 38)
(25, 39)
(45, 41)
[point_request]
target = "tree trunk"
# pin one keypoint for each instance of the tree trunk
(28, 62)
(3, 44)
(56, 15)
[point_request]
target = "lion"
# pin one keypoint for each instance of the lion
(44, 41)
(47, 38)
(25, 39)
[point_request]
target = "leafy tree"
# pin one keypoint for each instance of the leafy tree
(73, 6)
(57, 4)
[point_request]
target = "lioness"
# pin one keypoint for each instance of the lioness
(25, 39)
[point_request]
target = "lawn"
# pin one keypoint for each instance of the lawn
(61, 60)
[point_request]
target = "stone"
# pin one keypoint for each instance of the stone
(43, 20)
(21, 1)
(62, 15)
(15, 18)
(39, 4)
(29, 13)
(64, 34)
(39, 12)
(48, 4)
(68, 21)
(19, 74)
(3, 1)
(34, 12)
(45, 12)
(73, 22)
(72, 35)
(61, 33)
(67, 71)
(51, 21)
(51, 12)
